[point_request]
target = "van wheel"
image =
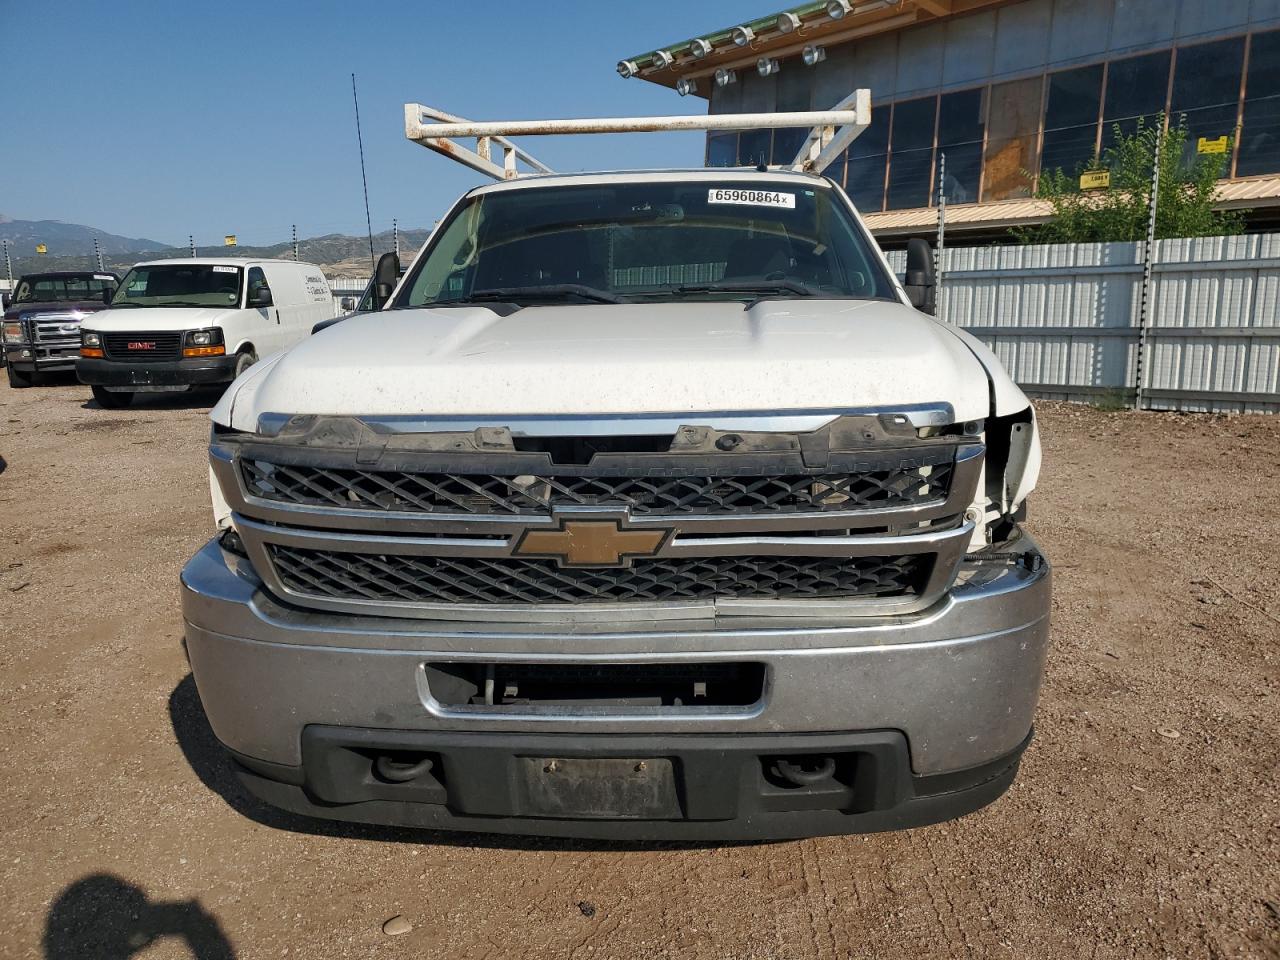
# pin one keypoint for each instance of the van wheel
(17, 378)
(111, 400)
(244, 360)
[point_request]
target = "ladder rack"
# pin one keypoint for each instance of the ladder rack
(830, 135)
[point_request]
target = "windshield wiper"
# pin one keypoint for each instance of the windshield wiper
(551, 291)
(753, 286)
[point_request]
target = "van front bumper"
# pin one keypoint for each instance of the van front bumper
(171, 373)
(917, 718)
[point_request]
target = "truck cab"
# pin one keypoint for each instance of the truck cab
(649, 507)
(183, 323)
(42, 319)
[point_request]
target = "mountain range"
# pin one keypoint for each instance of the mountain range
(70, 247)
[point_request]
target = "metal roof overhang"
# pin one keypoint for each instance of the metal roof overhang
(1247, 194)
(867, 18)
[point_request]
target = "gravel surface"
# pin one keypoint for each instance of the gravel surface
(1144, 822)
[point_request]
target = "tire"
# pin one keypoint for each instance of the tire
(109, 400)
(244, 360)
(19, 379)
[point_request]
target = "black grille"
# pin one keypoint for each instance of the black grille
(895, 483)
(357, 576)
(142, 347)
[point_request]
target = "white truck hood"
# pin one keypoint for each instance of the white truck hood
(677, 358)
(155, 319)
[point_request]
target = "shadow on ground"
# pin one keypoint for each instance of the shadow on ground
(102, 917)
(215, 770)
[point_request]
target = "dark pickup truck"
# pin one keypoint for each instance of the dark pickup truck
(41, 331)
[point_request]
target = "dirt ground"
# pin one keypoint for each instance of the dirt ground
(1145, 822)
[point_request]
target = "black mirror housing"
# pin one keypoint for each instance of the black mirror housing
(385, 276)
(107, 294)
(920, 281)
(260, 297)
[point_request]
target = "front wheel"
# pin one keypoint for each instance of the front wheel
(19, 378)
(111, 400)
(244, 360)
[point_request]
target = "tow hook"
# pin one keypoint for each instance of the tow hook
(805, 771)
(399, 770)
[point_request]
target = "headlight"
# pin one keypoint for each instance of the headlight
(90, 339)
(204, 338)
(203, 343)
(12, 332)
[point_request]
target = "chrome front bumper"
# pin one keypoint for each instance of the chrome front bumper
(959, 680)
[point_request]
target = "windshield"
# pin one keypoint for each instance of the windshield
(649, 241)
(81, 286)
(180, 285)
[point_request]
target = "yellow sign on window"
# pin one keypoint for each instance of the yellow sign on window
(1205, 145)
(41, 248)
(1095, 180)
(229, 240)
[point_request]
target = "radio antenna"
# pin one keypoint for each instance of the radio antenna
(363, 179)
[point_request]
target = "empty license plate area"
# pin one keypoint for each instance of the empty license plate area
(597, 688)
(613, 789)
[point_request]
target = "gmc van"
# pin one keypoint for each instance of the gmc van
(177, 324)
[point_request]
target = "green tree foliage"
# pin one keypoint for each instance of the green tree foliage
(1120, 212)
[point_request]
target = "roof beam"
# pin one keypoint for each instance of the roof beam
(939, 8)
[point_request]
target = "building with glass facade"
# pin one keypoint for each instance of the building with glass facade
(1004, 89)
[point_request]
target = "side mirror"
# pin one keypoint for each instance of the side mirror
(107, 294)
(260, 297)
(385, 277)
(4, 301)
(920, 281)
(347, 304)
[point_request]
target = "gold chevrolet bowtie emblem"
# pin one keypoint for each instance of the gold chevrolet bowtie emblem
(591, 543)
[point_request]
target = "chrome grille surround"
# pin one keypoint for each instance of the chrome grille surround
(797, 554)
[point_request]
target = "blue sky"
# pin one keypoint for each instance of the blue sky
(165, 119)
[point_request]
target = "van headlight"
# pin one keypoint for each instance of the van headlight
(12, 331)
(203, 343)
(90, 339)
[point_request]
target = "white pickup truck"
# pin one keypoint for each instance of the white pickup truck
(648, 507)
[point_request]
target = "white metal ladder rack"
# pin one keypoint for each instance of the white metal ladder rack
(831, 132)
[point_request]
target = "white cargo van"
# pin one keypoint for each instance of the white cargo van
(177, 324)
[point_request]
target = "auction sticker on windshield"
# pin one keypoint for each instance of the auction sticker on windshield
(752, 198)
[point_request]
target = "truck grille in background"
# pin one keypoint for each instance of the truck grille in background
(335, 575)
(162, 346)
(898, 482)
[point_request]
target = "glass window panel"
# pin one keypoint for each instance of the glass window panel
(913, 123)
(836, 170)
(961, 119)
(1075, 97)
(1137, 88)
(1013, 124)
(1260, 136)
(1211, 123)
(1208, 75)
(963, 172)
(722, 150)
(865, 184)
(874, 140)
(1071, 119)
(787, 143)
(961, 127)
(911, 157)
(754, 147)
(1068, 150)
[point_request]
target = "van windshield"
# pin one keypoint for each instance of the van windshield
(180, 285)
(64, 288)
(649, 241)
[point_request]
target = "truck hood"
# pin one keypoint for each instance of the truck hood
(52, 306)
(155, 319)
(679, 358)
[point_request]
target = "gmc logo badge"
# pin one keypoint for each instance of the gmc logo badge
(141, 345)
